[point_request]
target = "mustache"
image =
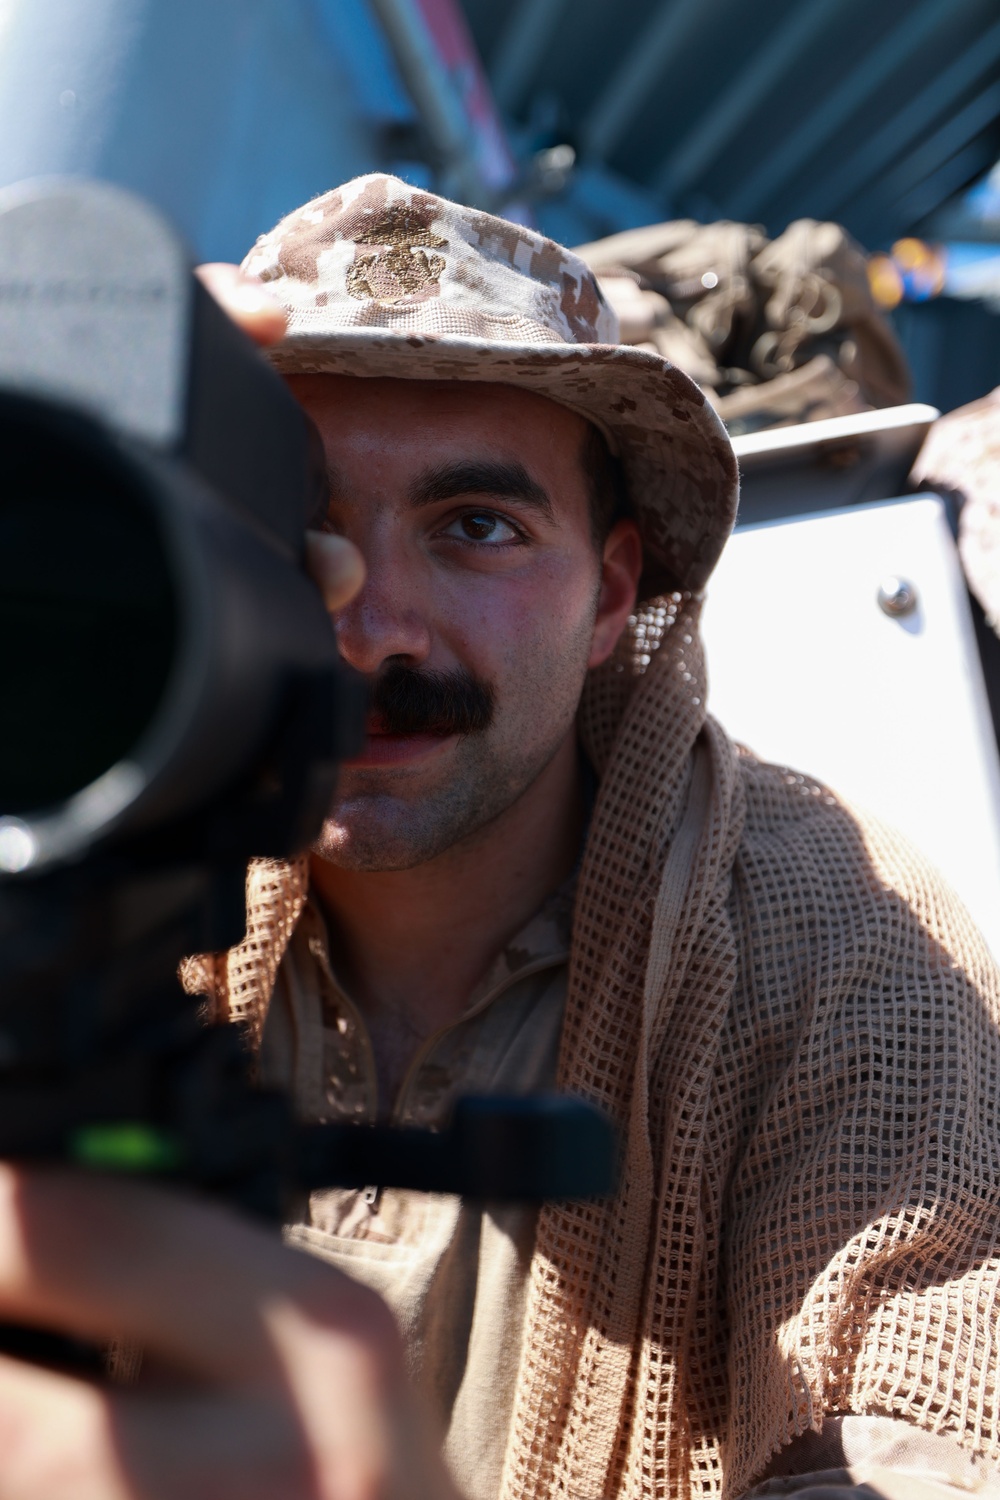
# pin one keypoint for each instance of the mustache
(409, 701)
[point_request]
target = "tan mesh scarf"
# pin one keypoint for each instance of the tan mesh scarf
(796, 1029)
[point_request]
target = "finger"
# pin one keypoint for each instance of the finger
(312, 1361)
(205, 1291)
(56, 1439)
(246, 300)
(335, 566)
(206, 1447)
(62, 1439)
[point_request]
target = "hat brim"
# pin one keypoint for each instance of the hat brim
(679, 464)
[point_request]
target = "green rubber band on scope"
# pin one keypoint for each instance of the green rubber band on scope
(124, 1148)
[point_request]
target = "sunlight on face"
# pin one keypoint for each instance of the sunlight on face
(470, 507)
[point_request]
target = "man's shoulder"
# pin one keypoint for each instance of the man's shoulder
(811, 861)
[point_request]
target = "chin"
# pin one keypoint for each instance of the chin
(368, 849)
(366, 833)
(397, 827)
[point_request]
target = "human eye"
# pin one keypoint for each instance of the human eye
(485, 527)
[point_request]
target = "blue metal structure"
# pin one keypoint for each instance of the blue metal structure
(229, 114)
(226, 115)
(877, 116)
(874, 115)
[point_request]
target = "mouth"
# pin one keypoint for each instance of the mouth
(382, 748)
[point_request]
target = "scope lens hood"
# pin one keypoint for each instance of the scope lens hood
(149, 628)
(88, 612)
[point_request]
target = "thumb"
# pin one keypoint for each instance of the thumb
(336, 567)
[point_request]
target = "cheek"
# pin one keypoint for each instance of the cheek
(517, 628)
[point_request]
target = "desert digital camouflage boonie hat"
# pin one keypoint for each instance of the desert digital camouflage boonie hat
(381, 278)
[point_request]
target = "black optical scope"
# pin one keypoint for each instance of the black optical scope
(172, 706)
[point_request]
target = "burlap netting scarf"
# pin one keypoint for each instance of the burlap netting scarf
(795, 1028)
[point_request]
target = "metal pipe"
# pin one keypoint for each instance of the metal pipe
(911, 184)
(434, 95)
(933, 191)
(760, 187)
(64, 70)
(641, 70)
(852, 175)
(522, 47)
(703, 144)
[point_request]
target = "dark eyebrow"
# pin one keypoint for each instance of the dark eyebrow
(499, 478)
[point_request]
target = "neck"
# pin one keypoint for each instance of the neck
(413, 943)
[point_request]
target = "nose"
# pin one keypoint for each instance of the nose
(384, 620)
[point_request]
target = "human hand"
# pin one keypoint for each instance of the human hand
(267, 1374)
(247, 301)
(333, 563)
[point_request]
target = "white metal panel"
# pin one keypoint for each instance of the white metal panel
(807, 669)
(811, 437)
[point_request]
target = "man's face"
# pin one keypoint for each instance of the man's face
(485, 603)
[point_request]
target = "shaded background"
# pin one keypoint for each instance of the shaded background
(878, 116)
(607, 116)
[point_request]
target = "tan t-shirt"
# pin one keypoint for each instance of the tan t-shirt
(453, 1272)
